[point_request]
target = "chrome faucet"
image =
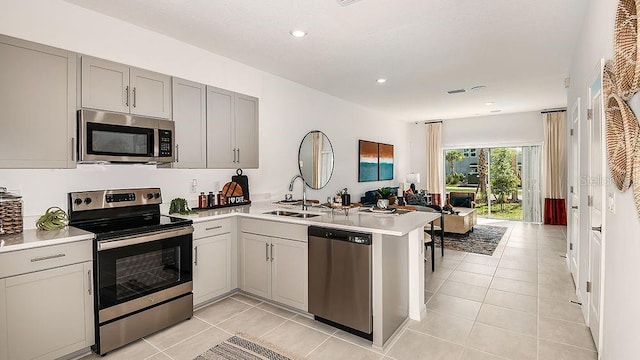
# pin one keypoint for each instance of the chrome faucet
(304, 190)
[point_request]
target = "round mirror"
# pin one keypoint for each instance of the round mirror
(315, 159)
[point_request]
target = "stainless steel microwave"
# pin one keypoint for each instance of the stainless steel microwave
(124, 138)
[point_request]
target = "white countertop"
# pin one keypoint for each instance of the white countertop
(33, 238)
(387, 224)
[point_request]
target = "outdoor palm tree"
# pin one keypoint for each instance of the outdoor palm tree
(482, 174)
(451, 157)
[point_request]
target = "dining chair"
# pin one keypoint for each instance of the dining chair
(428, 243)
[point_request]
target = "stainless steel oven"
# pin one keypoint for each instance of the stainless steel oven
(142, 261)
(116, 137)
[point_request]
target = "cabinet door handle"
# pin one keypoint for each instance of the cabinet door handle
(126, 90)
(134, 97)
(213, 228)
(195, 257)
(73, 149)
(234, 156)
(266, 251)
(49, 257)
(177, 153)
(272, 257)
(597, 228)
(89, 281)
(238, 155)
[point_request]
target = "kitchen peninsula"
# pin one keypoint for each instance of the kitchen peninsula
(397, 256)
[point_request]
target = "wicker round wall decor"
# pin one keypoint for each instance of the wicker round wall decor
(609, 84)
(622, 133)
(626, 61)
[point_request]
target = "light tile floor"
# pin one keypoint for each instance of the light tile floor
(512, 305)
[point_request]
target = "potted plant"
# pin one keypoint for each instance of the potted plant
(385, 197)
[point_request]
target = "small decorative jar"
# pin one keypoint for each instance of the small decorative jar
(10, 213)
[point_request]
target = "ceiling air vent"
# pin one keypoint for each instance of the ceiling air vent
(457, 91)
(346, 2)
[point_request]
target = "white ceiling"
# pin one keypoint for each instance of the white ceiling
(520, 49)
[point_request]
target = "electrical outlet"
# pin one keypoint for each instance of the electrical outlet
(611, 202)
(194, 186)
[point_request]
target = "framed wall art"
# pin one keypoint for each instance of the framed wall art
(375, 161)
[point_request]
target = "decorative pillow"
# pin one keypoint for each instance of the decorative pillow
(461, 202)
(415, 199)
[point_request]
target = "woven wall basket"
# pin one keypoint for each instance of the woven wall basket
(622, 133)
(626, 61)
(609, 84)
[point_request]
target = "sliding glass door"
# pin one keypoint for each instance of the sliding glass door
(505, 181)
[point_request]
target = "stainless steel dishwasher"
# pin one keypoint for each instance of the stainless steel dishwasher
(340, 279)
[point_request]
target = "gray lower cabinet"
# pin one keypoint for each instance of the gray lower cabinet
(213, 259)
(47, 311)
(37, 106)
(189, 115)
(117, 87)
(232, 130)
(273, 261)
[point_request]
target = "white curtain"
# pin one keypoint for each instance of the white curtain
(531, 184)
(435, 160)
(317, 159)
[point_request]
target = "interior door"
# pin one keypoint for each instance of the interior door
(595, 202)
(574, 189)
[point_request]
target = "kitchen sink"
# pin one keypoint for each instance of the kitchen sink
(282, 213)
(291, 213)
(304, 215)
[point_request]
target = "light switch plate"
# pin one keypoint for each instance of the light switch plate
(611, 202)
(194, 186)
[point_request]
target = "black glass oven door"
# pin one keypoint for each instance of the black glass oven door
(118, 140)
(129, 272)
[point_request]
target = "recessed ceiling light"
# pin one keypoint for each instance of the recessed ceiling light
(489, 103)
(298, 33)
(381, 81)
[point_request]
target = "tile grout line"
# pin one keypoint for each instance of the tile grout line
(317, 346)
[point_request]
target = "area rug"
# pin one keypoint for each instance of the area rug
(243, 347)
(482, 240)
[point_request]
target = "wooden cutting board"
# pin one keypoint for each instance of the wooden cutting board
(231, 189)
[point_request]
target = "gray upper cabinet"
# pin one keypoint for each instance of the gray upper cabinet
(116, 87)
(37, 106)
(232, 130)
(246, 126)
(105, 85)
(189, 115)
(220, 115)
(150, 93)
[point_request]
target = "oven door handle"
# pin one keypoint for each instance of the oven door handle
(144, 238)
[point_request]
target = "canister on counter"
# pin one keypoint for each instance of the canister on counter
(203, 201)
(10, 213)
(212, 199)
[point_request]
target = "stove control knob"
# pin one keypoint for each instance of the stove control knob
(149, 196)
(156, 195)
(77, 201)
(87, 201)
